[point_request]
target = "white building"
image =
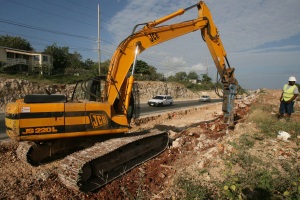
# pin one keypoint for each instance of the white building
(20, 61)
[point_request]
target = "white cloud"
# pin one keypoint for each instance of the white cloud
(243, 26)
(280, 49)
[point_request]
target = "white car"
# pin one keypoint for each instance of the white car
(160, 100)
(205, 98)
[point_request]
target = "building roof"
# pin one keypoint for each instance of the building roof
(12, 50)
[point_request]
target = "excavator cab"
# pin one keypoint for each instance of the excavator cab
(92, 89)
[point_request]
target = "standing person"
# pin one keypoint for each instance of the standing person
(289, 94)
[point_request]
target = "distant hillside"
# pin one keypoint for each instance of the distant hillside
(12, 89)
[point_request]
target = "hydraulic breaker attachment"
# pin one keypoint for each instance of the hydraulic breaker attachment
(228, 104)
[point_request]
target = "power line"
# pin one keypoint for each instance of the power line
(43, 39)
(73, 10)
(44, 29)
(51, 13)
(68, 34)
(57, 5)
(82, 5)
(68, 8)
(29, 36)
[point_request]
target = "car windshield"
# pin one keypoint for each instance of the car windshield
(158, 97)
(204, 96)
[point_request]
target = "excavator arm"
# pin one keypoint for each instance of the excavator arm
(119, 85)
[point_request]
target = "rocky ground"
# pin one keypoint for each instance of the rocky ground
(12, 89)
(200, 143)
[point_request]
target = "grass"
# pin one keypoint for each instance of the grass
(270, 125)
(189, 189)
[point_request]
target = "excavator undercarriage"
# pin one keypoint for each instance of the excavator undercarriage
(39, 153)
(94, 167)
(96, 161)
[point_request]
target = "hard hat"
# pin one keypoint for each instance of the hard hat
(292, 78)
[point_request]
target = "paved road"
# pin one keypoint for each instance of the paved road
(145, 110)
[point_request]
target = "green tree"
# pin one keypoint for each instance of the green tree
(15, 42)
(153, 75)
(178, 77)
(171, 78)
(88, 64)
(206, 79)
(156, 76)
(141, 67)
(181, 76)
(104, 67)
(144, 71)
(60, 57)
(161, 77)
(192, 75)
(75, 60)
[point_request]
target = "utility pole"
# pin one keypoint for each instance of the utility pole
(99, 52)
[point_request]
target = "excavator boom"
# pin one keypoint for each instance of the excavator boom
(152, 34)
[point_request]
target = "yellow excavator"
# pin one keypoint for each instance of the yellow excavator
(90, 131)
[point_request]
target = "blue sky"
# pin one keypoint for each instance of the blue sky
(261, 37)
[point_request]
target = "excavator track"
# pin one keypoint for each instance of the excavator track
(94, 167)
(38, 153)
(22, 151)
